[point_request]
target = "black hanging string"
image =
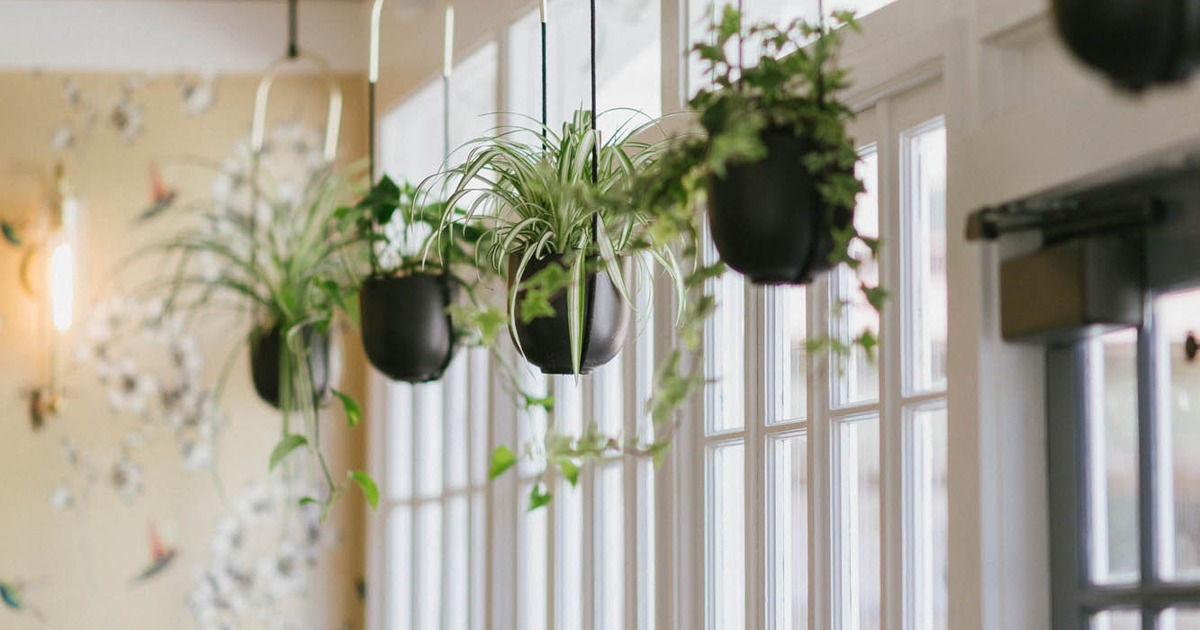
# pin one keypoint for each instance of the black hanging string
(293, 50)
(545, 115)
(371, 132)
(595, 136)
(596, 143)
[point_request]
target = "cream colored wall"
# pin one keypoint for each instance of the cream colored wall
(80, 564)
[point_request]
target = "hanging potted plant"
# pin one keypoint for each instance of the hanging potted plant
(563, 253)
(1135, 43)
(404, 302)
(774, 162)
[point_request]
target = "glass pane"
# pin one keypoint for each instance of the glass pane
(857, 525)
(855, 375)
(428, 568)
(929, 514)
(725, 537)
(1181, 421)
(568, 512)
(609, 393)
(725, 353)
(479, 550)
(399, 436)
(1114, 461)
(1118, 620)
(472, 97)
(480, 401)
(456, 387)
(399, 567)
(787, 334)
(428, 418)
(533, 567)
(646, 587)
(568, 404)
(1180, 619)
(456, 585)
(610, 548)
(787, 532)
(924, 221)
(531, 424)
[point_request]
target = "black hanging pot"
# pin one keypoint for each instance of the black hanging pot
(546, 341)
(266, 348)
(767, 218)
(406, 331)
(1135, 42)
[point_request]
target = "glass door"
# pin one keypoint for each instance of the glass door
(1124, 458)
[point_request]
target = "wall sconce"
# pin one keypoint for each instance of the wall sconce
(48, 274)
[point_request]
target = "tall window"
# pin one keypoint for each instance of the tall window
(436, 435)
(824, 476)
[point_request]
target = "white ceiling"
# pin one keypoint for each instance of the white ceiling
(172, 35)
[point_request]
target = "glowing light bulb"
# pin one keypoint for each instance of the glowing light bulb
(62, 286)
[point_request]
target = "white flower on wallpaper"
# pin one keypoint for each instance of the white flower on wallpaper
(262, 555)
(152, 371)
(119, 109)
(197, 93)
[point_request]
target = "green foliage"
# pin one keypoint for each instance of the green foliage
(279, 261)
(533, 200)
(539, 496)
(11, 235)
(285, 447)
(502, 459)
(368, 486)
(351, 408)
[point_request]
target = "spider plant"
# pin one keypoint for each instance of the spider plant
(536, 192)
(276, 265)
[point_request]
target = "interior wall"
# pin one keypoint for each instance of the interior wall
(76, 567)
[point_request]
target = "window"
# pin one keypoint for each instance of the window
(1131, 561)
(810, 489)
(803, 452)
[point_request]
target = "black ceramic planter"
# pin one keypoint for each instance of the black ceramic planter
(265, 348)
(1135, 42)
(546, 341)
(767, 219)
(406, 331)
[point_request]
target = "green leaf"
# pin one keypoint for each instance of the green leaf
(351, 407)
(569, 469)
(10, 233)
(309, 501)
(369, 489)
(502, 459)
(539, 496)
(284, 448)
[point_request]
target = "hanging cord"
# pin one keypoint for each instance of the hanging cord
(293, 50)
(447, 70)
(595, 135)
(741, 43)
(545, 91)
(372, 81)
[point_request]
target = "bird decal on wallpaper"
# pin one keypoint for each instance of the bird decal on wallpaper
(161, 557)
(12, 594)
(162, 197)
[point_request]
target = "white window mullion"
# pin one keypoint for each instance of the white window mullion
(635, 543)
(891, 426)
(821, 589)
(503, 507)
(587, 483)
(755, 418)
